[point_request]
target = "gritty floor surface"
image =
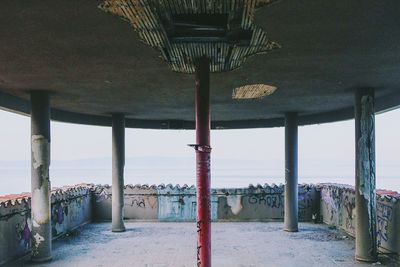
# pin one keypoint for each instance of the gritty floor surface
(154, 244)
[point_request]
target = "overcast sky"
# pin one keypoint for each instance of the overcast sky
(326, 152)
(333, 141)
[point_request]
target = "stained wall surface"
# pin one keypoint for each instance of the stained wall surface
(70, 207)
(338, 209)
(263, 203)
(140, 202)
(78, 205)
(178, 204)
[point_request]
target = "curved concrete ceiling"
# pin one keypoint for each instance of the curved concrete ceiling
(94, 64)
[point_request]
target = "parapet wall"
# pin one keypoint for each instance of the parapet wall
(338, 209)
(77, 205)
(70, 207)
(175, 203)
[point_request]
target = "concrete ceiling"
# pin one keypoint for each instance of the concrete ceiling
(94, 64)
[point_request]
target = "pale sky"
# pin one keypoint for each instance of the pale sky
(74, 141)
(323, 149)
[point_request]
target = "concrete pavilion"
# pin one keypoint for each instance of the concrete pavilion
(162, 64)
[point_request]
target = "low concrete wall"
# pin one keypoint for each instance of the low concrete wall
(140, 202)
(71, 207)
(338, 209)
(77, 205)
(263, 203)
(154, 203)
(175, 203)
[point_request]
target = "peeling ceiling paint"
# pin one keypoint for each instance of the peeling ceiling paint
(222, 30)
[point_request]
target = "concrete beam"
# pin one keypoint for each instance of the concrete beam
(118, 163)
(22, 106)
(291, 173)
(366, 246)
(40, 181)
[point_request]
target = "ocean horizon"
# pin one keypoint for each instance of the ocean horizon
(15, 175)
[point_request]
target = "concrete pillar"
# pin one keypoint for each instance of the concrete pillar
(291, 178)
(203, 151)
(40, 181)
(366, 246)
(118, 163)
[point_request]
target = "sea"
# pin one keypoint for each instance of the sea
(225, 173)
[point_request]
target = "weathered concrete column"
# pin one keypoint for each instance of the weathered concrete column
(291, 178)
(40, 181)
(366, 246)
(118, 163)
(203, 150)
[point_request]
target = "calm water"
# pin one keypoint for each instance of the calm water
(18, 180)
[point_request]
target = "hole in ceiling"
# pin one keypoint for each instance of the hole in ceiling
(198, 25)
(222, 30)
(253, 91)
(206, 28)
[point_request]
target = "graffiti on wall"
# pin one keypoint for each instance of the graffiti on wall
(349, 205)
(137, 202)
(331, 198)
(306, 203)
(15, 214)
(271, 197)
(263, 203)
(339, 205)
(103, 195)
(140, 202)
(199, 226)
(338, 208)
(384, 218)
(24, 234)
(67, 212)
(274, 200)
(58, 213)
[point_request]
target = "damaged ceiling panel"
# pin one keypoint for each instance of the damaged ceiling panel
(253, 91)
(183, 31)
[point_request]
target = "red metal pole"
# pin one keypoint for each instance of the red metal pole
(203, 150)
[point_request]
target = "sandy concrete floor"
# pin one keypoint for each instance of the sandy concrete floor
(234, 244)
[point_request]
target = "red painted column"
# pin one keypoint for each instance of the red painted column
(203, 150)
